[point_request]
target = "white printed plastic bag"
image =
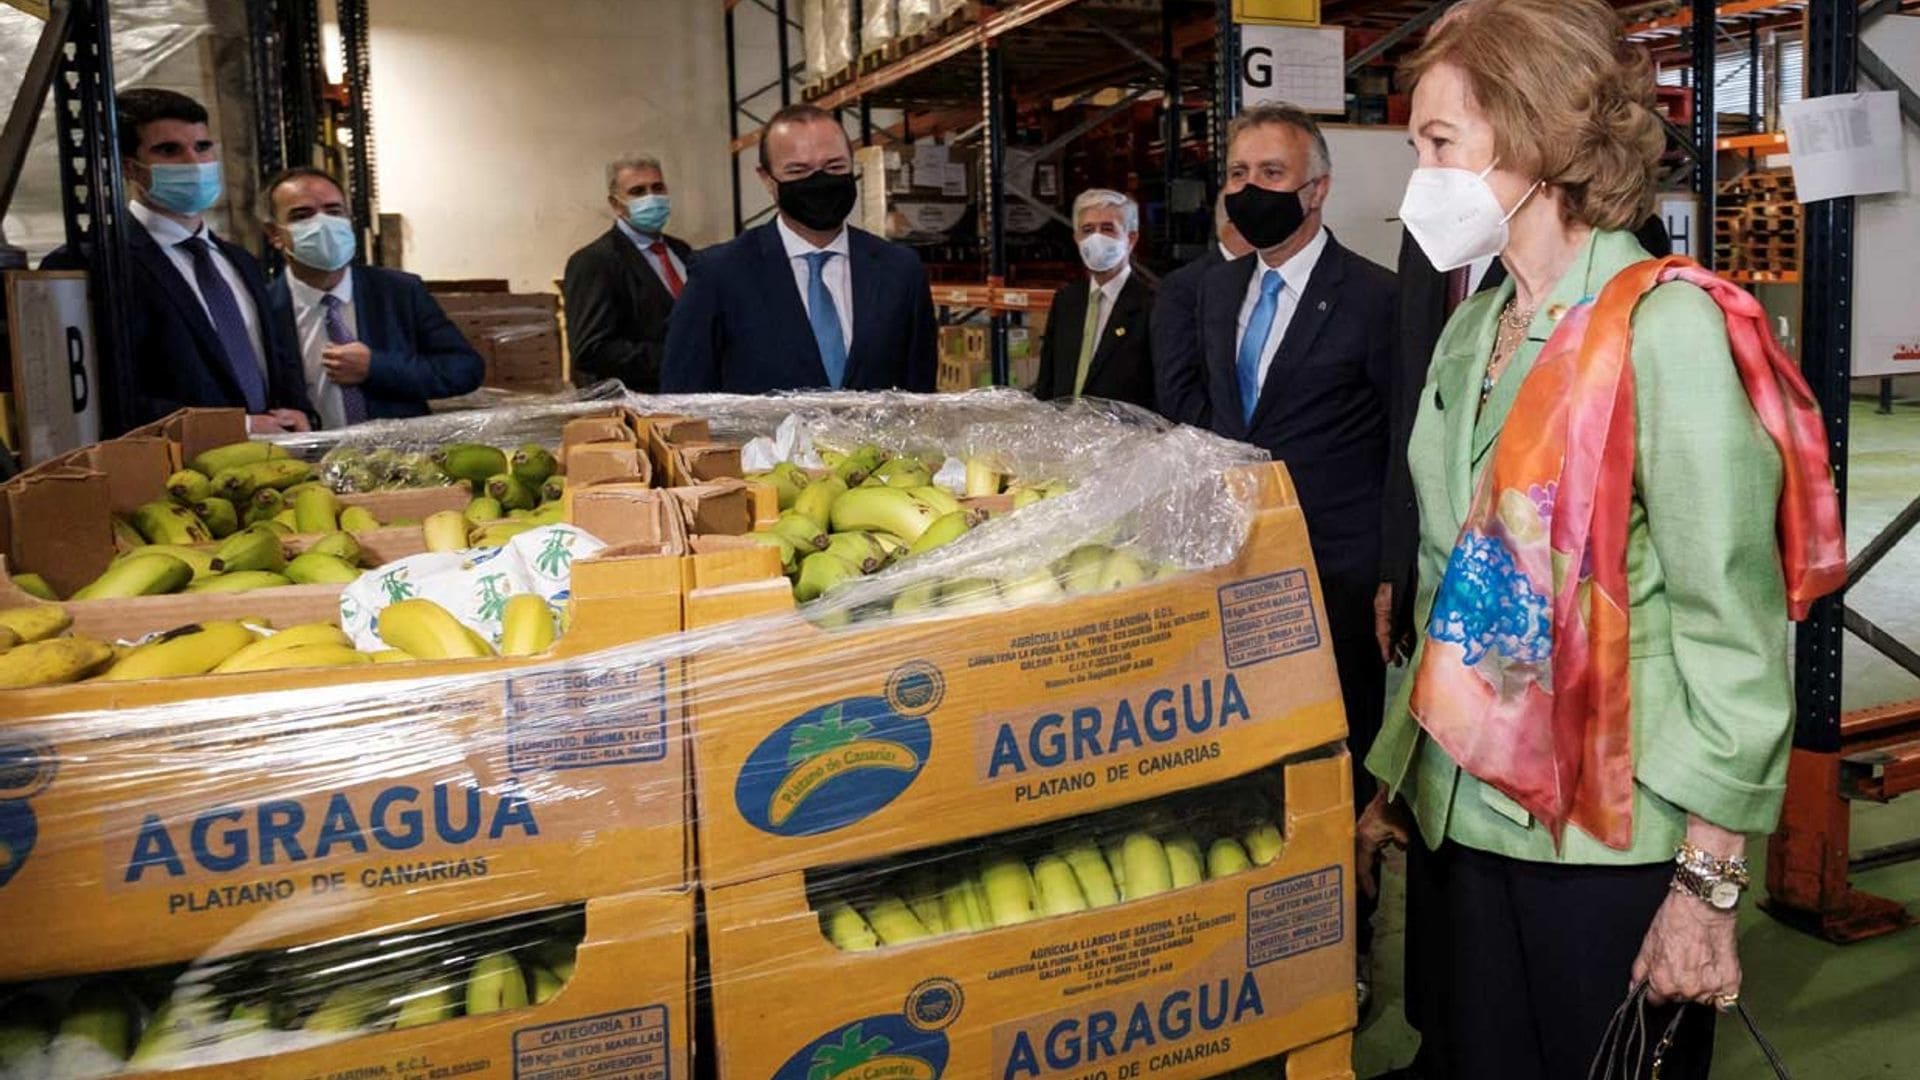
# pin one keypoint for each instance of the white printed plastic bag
(473, 585)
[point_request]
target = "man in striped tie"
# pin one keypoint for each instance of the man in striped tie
(374, 343)
(621, 288)
(199, 330)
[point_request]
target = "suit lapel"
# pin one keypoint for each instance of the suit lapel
(1115, 333)
(370, 310)
(192, 314)
(865, 289)
(785, 308)
(647, 284)
(1317, 302)
(1070, 315)
(1591, 269)
(1457, 388)
(1224, 291)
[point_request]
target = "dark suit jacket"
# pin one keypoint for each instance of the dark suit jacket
(617, 310)
(1122, 364)
(740, 326)
(418, 353)
(1323, 407)
(1423, 314)
(176, 360)
(1179, 368)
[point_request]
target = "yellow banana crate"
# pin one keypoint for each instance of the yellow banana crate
(163, 820)
(813, 747)
(1184, 985)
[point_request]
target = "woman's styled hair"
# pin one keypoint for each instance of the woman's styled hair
(1570, 100)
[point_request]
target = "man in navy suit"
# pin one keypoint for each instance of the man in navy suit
(1179, 370)
(1301, 355)
(373, 343)
(805, 301)
(198, 324)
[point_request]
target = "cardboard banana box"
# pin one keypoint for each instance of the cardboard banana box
(1180, 986)
(813, 747)
(154, 821)
(626, 1011)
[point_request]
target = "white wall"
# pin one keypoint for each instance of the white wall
(1370, 170)
(494, 120)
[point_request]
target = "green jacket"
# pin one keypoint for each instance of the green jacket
(1712, 707)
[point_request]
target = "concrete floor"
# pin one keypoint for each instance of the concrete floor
(1834, 1012)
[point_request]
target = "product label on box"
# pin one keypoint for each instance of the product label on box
(1268, 617)
(1294, 916)
(632, 1044)
(877, 1047)
(578, 718)
(835, 764)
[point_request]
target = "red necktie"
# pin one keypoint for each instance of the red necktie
(665, 255)
(1457, 281)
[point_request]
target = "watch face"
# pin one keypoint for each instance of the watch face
(1724, 895)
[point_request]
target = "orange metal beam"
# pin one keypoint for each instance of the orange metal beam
(1730, 9)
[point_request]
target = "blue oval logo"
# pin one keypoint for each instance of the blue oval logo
(831, 766)
(879, 1046)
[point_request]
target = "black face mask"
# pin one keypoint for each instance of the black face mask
(820, 200)
(1266, 218)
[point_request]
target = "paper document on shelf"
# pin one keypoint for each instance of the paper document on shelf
(1845, 144)
(931, 156)
(956, 180)
(1300, 65)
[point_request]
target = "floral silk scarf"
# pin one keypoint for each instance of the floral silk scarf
(1524, 678)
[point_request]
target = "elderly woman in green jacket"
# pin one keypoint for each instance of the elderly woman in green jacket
(1535, 138)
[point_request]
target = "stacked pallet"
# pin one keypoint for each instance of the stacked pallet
(1757, 227)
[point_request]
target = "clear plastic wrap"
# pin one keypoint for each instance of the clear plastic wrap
(880, 24)
(488, 867)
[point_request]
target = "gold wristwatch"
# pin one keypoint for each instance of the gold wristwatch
(1708, 878)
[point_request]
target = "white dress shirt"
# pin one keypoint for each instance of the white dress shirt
(170, 234)
(310, 319)
(1106, 296)
(1295, 272)
(645, 242)
(838, 274)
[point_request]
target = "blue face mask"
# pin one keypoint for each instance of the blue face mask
(185, 189)
(323, 241)
(648, 213)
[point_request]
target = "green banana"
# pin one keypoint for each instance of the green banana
(820, 572)
(1264, 842)
(252, 548)
(495, 985)
(425, 1007)
(167, 523)
(945, 530)
(1058, 886)
(894, 923)
(348, 1009)
(34, 585)
(239, 581)
(1037, 587)
(23, 1034)
(789, 557)
(219, 516)
(482, 509)
(316, 510)
(815, 501)
(970, 594)
(1226, 857)
(916, 599)
(901, 472)
(788, 482)
(860, 549)
(125, 536)
(472, 462)
(138, 575)
(176, 1027)
(241, 481)
(1090, 871)
(1184, 862)
(1121, 570)
(445, 530)
(234, 455)
(319, 568)
(189, 486)
(959, 911)
(802, 531)
(553, 489)
(102, 1014)
(285, 520)
(883, 509)
(923, 896)
(265, 505)
(199, 558)
(511, 492)
(1026, 496)
(982, 477)
(937, 497)
(532, 464)
(340, 545)
(358, 519)
(546, 983)
(1082, 568)
(1148, 872)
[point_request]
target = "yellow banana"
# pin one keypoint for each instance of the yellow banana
(299, 656)
(1148, 872)
(239, 581)
(285, 519)
(1090, 872)
(190, 650)
(820, 572)
(48, 663)
(445, 531)
(1264, 842)
(125, 536)
(138, 575)
(36, 622)
(498, 533)
(252, 548)
(189, 486)
(340, 545)
(166, 523)
(945, 529)
(428, 631)
(200, 559)
(358, 519)
(884, 509)
(526, 625)
(292, 637)
(1057, 887)
(8, 639)
(894, 923)
(1184, 862)
(483, 509)
(34, 585)
(496, 984)
(219, 516)
(392, 656)
(982, 478)
(315, 510)
(815, 500)
(1226, 857)
(846, 929)
(1009, 887)
(319, 568)
(235, 454)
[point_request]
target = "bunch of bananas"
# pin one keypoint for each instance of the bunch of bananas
(512, 493)
(96, 1028)
(1079, 865)
(416, 629)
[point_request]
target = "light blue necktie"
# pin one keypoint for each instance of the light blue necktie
(1254, 345)
(825, 318)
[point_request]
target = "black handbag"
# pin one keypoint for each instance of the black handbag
(1624, 1046)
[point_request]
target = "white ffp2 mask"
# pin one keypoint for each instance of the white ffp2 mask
(1455, 217)
(1101, 252)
